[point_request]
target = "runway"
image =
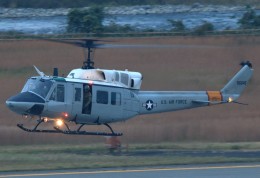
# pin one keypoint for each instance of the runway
(201, 171)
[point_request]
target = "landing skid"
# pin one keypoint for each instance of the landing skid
(87, 133)
(36, 130)
(68, 131)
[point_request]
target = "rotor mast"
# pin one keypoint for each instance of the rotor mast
(88, 46)
(88, 63)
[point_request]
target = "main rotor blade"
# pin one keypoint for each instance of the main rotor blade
(94, 43)
(83, 43)
(157, 46)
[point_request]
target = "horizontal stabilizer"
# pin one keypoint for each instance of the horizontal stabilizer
(216, 102)
(208, 102)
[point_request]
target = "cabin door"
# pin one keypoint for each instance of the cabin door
(57, 100)
(77, 99)
(87, 99)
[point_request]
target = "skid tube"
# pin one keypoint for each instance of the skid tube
(78, 132)
(36, 130)
(69, 132)
(87, 133)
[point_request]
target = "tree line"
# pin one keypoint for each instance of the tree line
(83, 3)
(90, 21)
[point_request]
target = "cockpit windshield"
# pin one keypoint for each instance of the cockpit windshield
(38, 86)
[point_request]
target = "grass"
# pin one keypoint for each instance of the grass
(187, 68)
(43, 157)
(200, 146)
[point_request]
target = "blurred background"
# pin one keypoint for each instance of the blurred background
(211, 39)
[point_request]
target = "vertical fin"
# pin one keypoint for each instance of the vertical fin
(239, 82)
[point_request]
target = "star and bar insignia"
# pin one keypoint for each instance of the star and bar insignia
(149, 105)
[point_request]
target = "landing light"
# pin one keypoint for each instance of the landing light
(66, 114)
(230, 99)
(45, 119)
(25, 116)
(59, 122)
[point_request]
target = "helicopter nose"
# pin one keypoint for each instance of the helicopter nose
(26, 103)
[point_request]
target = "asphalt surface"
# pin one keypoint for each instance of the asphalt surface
(196, 171)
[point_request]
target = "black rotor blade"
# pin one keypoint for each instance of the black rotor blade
(160, 46)
(83, 43)
(93, 43)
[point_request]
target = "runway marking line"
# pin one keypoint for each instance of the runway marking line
(131, 170)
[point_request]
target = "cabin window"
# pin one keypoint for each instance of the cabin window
(117, 76)
(132, 83)
(102, 97)
(77, 94)
(116, 98)
(124, 78)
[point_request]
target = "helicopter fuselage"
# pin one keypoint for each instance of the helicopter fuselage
(105, 96)
(98, 96)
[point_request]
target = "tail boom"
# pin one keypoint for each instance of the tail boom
(165, 101)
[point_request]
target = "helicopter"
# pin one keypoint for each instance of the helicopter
(92, 96)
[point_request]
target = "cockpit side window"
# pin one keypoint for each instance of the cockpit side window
(58, 94)
(53, 95)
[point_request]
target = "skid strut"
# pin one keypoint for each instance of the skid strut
(69, 131)
(78, 132)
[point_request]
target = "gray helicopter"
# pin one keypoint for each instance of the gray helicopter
(90, 96)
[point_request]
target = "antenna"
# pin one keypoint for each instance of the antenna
(39, 72)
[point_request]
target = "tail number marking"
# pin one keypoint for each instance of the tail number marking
(241, 83)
